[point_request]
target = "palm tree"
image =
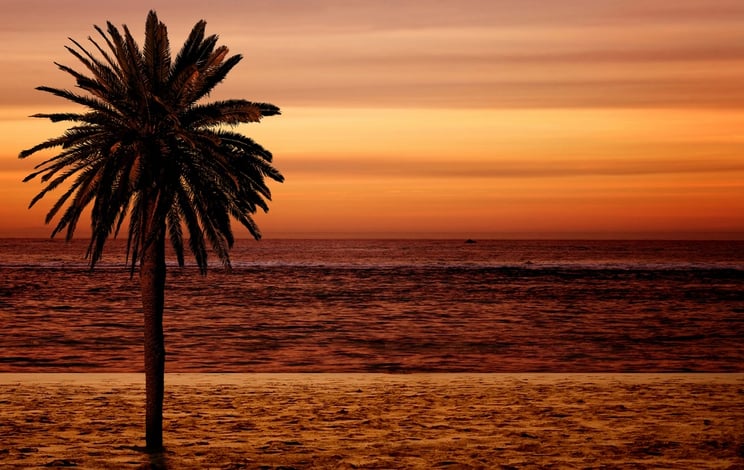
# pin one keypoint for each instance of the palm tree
(148, 156)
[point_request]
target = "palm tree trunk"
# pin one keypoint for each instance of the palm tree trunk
(152, 285)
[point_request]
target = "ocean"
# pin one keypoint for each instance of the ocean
(396, 306)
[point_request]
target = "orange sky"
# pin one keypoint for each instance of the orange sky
(465, 118)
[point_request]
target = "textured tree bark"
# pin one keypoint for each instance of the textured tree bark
(152, 285)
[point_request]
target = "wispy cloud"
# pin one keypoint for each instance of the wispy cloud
(507, 169)
(474, 53)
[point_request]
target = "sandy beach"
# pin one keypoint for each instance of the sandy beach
(417, 421)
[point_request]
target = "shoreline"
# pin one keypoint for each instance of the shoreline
(363, 420)
(236, 378)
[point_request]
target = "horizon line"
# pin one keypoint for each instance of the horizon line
(427, 235)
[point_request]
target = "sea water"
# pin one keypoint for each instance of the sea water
(385, 306)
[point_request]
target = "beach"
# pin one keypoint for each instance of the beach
(413, 421)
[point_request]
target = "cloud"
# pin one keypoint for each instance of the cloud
(504, 168)
(470, 54)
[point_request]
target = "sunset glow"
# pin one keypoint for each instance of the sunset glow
(458, 118)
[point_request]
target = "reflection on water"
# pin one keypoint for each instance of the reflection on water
(339, 306)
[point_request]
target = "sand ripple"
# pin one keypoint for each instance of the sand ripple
(448, 421)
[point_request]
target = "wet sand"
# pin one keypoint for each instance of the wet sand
(417, 421)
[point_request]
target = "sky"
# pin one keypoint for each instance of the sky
(464, 118)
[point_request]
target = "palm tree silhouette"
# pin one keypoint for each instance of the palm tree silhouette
(147, 151)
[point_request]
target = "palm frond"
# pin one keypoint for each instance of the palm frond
(106, 82)
(85, 193)
(176, 233)
(156, 51)
(86, 101)
(184, 58)
(215, 73)
(59, 117)
(51, 143)
(228, 112)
